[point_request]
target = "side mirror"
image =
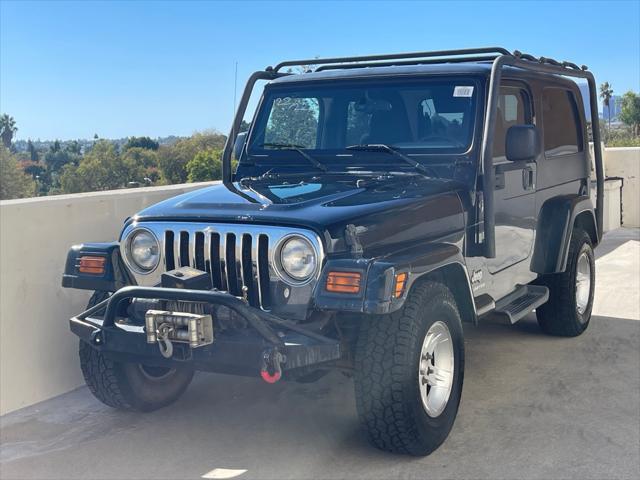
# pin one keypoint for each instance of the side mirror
(523, 143)
(239, 145)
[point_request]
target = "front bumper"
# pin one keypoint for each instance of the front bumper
(240, 353)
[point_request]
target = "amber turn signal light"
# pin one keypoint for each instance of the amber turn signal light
(94, 265)
(401, 282)
(343, 282)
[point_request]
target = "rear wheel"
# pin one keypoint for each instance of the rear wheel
(568, 311)
(409, 372)
(130, 386)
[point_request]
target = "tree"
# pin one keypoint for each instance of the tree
(35, 169)
(606, 91)
(630, 111)
(103, 168)
(13, 181)
(141, 142)
(33, 153)
(205, 166)
(173, 159)
(141, 156)
(7, 129)
(144, 159)
(73, 147)
(57, 157)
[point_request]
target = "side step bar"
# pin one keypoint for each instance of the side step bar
(518, 304)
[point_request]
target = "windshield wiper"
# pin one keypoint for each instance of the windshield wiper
(299, 149)
(381, 147)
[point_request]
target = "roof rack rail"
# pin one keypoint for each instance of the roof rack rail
(393, 56)
(396, 63)
(548, 61)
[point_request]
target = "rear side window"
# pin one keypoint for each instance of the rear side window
(560, 123)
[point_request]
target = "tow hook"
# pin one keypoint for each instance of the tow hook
(166, 347)
(271, 370)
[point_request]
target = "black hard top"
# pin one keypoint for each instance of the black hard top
(439, 69)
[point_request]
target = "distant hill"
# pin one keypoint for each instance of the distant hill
(85, 144)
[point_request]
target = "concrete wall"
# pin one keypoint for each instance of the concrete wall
(38, 354)
(624, 162)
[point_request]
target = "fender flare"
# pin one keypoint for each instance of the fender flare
(443, 260)
(114, 277)
(556, 220)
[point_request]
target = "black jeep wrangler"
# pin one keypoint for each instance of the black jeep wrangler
(377, 204)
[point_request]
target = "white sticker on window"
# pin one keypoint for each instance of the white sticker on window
(463, 92)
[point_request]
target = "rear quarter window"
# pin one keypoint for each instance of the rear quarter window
(560, 123)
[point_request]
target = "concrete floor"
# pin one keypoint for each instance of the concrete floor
(533, 407)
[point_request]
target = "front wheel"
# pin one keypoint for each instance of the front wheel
(130, 386)
(409, 372)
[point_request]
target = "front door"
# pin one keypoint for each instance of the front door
(515, 184)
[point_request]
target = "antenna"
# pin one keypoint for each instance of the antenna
(235, 89)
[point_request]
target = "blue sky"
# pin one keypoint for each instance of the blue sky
(72, 69)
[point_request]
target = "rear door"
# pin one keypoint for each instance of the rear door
(515, 183)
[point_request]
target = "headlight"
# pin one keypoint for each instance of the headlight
(298, 258)
(143, 251)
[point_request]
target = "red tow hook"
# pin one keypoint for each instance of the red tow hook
(271, 370)
(267, 377)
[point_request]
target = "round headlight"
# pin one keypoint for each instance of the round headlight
(143, 250)
(298, 258)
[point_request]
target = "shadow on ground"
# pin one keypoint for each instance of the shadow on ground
(533, 407)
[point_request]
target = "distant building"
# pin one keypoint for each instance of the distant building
(615, 105)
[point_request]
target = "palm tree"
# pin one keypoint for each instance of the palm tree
(606, 91)
(7, 129)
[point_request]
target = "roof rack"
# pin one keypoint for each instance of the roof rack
(417, 56)
(484, 54)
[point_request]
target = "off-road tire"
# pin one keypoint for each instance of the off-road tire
(127, 386)
(560, 315)
(386, 373)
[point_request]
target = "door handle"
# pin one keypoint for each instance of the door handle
(528, 178)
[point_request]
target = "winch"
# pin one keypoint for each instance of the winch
(164, 327)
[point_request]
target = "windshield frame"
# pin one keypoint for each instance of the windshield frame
(334, 158)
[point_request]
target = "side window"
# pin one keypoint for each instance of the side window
(513, 109)
(293, 121)
(560, 123)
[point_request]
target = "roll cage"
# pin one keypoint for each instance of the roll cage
(499, 58)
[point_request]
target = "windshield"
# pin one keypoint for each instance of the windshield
(416, 116)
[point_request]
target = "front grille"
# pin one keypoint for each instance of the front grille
(237, 256)
(237, 262)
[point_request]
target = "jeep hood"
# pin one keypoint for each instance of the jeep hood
(402, 209)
